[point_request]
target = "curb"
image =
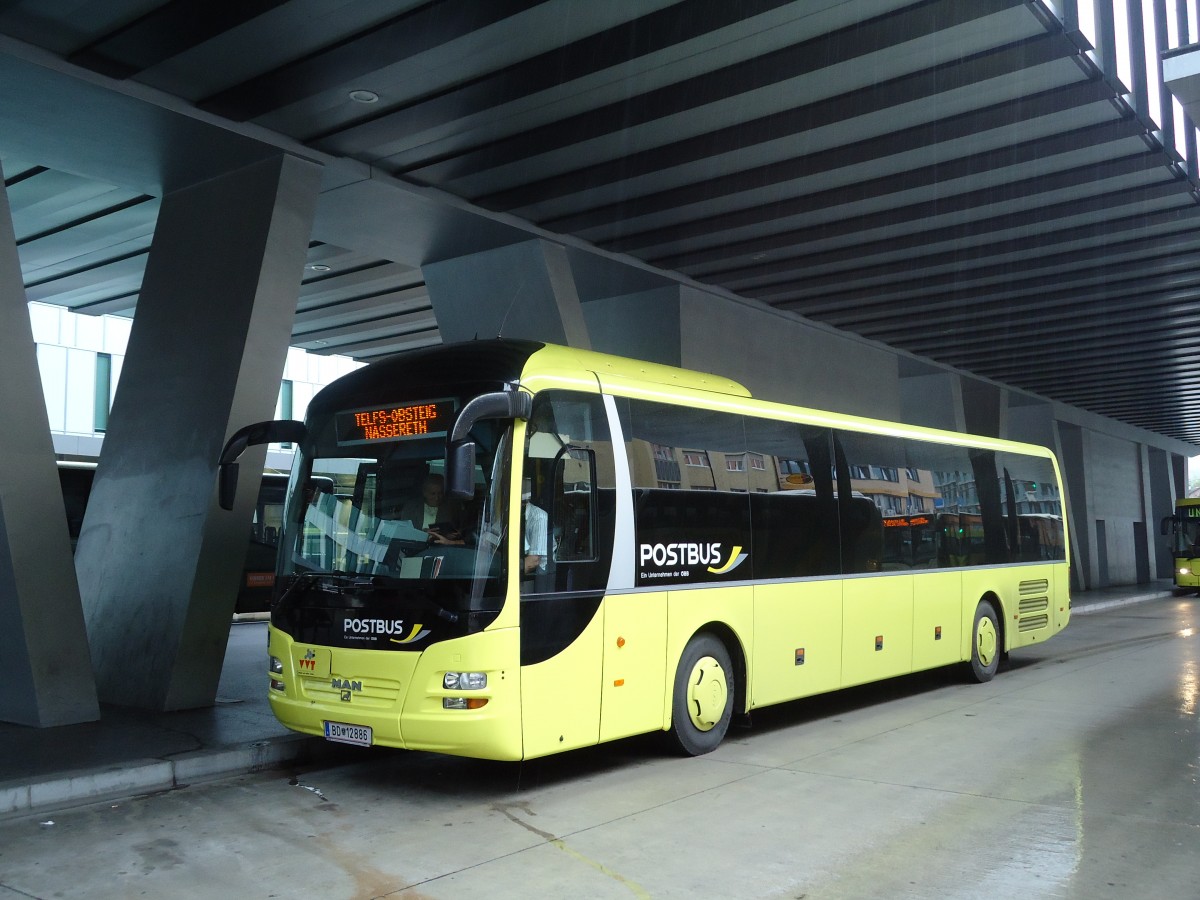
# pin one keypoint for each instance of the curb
(149, 776)
(1101, 605)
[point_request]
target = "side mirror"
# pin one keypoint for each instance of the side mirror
(460, 470)
(1165, 526)
(227, 479)
(275, 431)
(460, 449)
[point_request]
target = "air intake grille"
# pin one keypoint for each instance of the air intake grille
(1034, 609)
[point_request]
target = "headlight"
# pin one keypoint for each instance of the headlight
(1183, 571)
(276, 665)
(464, 681)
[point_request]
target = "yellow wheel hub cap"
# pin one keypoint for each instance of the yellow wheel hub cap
(707, 693)
(985, 641)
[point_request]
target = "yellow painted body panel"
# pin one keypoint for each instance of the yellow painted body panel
(1062, 597)
(937, 619)
(635, 664)
(688, 611)
(1190, 578)
(560, 697)
(877, 623)
(1186, 569)
(797, 648)
(399, 695)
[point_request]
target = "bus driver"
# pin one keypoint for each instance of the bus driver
(536, 522)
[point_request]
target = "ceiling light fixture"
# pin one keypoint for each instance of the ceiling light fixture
(318, 267)
(364, 96)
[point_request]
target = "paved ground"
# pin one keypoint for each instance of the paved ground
(131, 752)
(1072, 775)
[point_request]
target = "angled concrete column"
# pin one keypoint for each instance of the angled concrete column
(1072, 458)
(985, 408)
(645, 325)
(1160, 502)
(43, 644)
(931, 398)
(523, 290)
(774, 355)
(158, 561)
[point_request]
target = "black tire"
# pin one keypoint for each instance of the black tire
(702, 702)
(986, 646)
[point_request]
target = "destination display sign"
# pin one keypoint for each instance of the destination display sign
(426, 419)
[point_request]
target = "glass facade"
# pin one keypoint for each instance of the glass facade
(80, 359)
(1126, 40)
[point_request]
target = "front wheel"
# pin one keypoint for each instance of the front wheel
(985, 642)
(702, 703)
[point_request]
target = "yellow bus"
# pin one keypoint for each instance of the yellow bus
(1184, 530)
(532, 548)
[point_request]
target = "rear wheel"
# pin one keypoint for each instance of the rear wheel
(985, 642)
(702, 703)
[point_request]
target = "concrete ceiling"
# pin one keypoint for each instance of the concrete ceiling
(954, 179)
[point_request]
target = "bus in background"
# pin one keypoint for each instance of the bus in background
(623, 548)
(258, 575)
(1184, 530)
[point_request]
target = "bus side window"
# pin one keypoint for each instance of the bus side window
(568, 464)
(572, 518)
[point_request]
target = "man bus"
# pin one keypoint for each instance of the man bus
(707, 554)
(1184, 530)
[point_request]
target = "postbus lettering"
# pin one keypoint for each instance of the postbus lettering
(680, 554)
(373, 626)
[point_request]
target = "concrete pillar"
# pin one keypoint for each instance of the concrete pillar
(43, 643)
(1156, 485)
(523, 290)
(642, 326)
(1072, 458)
(158, 561)
(932, 399)
(985, 408)
(776, 356)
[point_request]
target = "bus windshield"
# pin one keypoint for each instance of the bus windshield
(1187, 533)
(373, 523)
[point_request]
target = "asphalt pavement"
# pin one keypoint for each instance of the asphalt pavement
(131, 752)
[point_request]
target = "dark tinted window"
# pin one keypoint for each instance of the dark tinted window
(938, 506)
(569, 471)
(691, 476)
(793, 505)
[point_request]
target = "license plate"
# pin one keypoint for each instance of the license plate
(359, 735)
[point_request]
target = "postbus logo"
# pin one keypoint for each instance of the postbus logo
(683, 560)
(393, 629)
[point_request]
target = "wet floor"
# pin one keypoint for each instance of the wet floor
(1072, 775)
